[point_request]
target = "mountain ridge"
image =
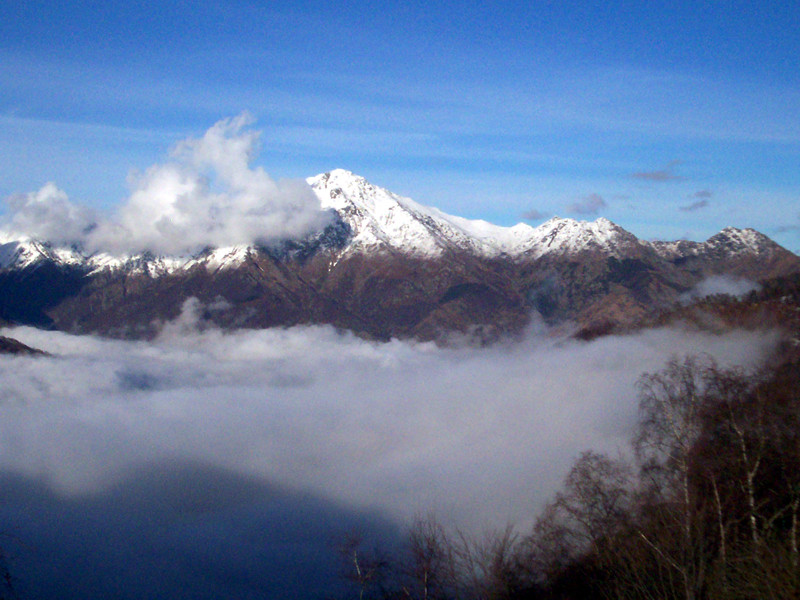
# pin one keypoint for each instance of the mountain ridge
(379, 220)
(384, 266)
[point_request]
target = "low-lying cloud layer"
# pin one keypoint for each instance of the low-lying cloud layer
(207, 194)
(484, 434)
(720, 284)
(322, 425)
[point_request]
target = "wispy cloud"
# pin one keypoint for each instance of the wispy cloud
(694, 206)
(721, 284)
(534, 215)
(589, 205)
(660, 175)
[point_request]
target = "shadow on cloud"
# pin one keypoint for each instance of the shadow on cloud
(177, 529)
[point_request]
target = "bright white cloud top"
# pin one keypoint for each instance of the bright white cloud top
(208, 195)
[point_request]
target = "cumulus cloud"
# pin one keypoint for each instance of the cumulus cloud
(720, 284)
(589, 205)
(49, 215)
(660, 175)
(207, 194)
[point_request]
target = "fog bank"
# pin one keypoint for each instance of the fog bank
(401, 426)
(481, 437)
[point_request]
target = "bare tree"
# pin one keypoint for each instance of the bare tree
(364, 568)
(432, 569)
(582, 524)
(671, 404)
(490, 567)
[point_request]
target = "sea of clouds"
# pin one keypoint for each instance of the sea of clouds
(232, 455)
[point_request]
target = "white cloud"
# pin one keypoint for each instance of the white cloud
(207, 194)
(479, 436)
(251, 453)
(48, 214)
(720, 284)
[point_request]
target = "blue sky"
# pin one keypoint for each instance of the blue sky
(673, 119)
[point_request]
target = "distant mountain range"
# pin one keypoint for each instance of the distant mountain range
(385, 266)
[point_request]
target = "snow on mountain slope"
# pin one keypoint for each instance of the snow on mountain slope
(729, 242)
(378, 220)
(220, 258)
(568, 236)
(23, 254)
(734, 241)
(27, 253)
(381, 219)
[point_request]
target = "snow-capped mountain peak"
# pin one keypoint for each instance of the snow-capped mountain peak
(729, 242)
(735, 241)
(467, 275)
(25, 253)
(381, 220)
(568, 236)
(372, 219)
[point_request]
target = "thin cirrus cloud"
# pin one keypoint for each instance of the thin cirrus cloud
(660, 175)
(534, 215)
(699, 204)
(589, 205)
(701, 201)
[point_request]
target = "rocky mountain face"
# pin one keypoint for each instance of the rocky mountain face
(11, 346)
(385, 266)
